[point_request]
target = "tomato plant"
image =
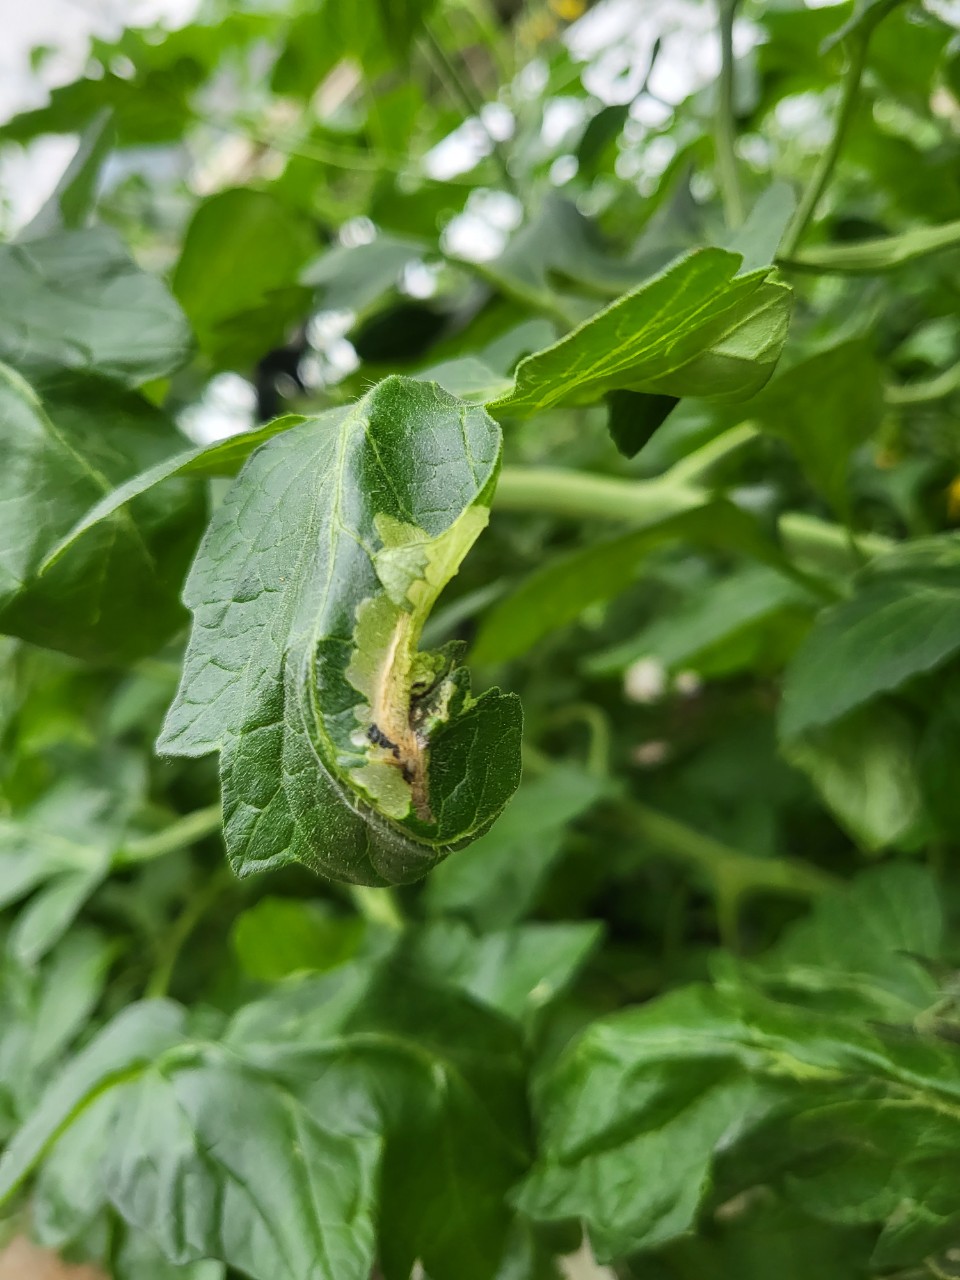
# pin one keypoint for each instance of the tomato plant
(481, 666)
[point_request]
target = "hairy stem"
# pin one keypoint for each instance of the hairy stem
(824, 170)
(725, 131)
(580, 496)
(576, 495)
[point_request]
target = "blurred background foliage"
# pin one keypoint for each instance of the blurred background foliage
(715, 747)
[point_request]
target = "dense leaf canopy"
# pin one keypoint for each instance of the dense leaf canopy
(480, 644)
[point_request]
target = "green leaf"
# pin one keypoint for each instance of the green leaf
(76, 299)
(401, 20)
(113, 594)
(75, 193)
(137, 1258)
(365, 1098)
(155, 1115)
(599, 135)
(650, 1089)
(495, 882)
(323, 34)
(759, 238)
(60, 850)
(43, 1009)
(698, 329)
(902, 621)
(157, 100)
(863, 948)
(487, 374)
(356, 277)
(939, 759)
(824, 408)
(341, 746)
(440, 1075)
(139, 1034)
(280, 936)
(731, 1087)
(557, 594)
(223, 458)
(239, 314)
(516, 971)
(633, 417)
(867, 14)
(732, 606)
(891, 1165)
(865, 767)
(770, 1237)
(559, 247)
(51, 911)
(466, 377)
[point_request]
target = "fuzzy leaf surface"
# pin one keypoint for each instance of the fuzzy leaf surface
(697, 329)
(341, 746)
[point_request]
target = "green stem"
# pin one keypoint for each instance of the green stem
(578, 495)
(727, 899)
(598, 730)
(320, 152)
(182, 928)
(535, 761)
(876, 255)
(483, 16)
(822, 173)
(825, 546)
(725, 121)
(734, 875)
(697, 465)
(186, 831)
(463, 90)
(922, 392)
(379, 906)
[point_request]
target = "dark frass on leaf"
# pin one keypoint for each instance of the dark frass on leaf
(342, 746)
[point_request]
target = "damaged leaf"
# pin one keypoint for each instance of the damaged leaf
(343, 746)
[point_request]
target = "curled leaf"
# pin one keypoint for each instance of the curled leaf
(342, 745)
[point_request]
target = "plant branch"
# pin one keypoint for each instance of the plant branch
(591, 716)
(877, 254)
(827, 546)
(318, 151)
(186, 831)
(378, 906)
(194, 911)
(923, 391)
(698, 464)
(821, 175)
(463, 90)
(733, 874)
(578, 495)
(725, 130)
